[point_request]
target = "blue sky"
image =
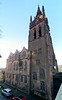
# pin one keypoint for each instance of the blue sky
(14, 23)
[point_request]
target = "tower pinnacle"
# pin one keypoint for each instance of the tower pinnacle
(43, 12)
(38, 11)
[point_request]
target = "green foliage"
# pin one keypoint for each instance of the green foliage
(0, 90)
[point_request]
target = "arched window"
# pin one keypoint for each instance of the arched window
(21, 78)
(17, 66)
(14, 65)
(34, 76)
(25, 66)
(39, 31)
(25, 79)
(16, 56)
(42, 85)
(10, 65)
(34, 33)
(20, 65)
(16, 77)
(42, 73)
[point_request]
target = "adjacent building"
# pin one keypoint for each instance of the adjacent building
(60, 68)
(18, 70)
(32, 70)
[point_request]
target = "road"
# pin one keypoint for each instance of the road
(16, 92)
(2, 97)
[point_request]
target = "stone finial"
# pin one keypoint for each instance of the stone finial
(38, 11)
(43, 12)
(42, 8)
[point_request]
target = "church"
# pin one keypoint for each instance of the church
(31, 71)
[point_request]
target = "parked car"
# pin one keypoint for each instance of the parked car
(19, 98)
(7, 92)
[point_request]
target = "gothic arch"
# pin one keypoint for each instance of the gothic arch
(40, 31)
(42, 73)
(34, 33)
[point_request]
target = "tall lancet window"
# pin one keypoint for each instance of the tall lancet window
(40, 32)
(34, 33)
(42, 73)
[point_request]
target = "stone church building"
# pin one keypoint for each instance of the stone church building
(32, 70)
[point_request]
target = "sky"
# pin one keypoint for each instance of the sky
(14, 25)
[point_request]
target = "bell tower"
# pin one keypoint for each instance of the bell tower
(40, 44)
(36, 31)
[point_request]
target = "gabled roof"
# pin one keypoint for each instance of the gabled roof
(16, 52)
(24, 49)
(11, 54)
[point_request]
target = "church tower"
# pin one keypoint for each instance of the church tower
(43, 58)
